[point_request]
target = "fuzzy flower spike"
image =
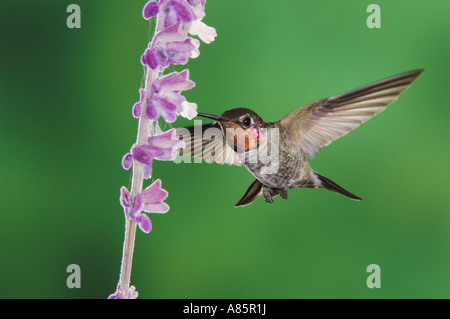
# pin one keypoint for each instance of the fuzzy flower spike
(161, 98)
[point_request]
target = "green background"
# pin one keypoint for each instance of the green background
(65, 123)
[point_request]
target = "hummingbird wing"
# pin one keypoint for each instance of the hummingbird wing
(208, 143)
(318, 124)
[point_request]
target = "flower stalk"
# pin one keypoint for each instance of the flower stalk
(160, 98)
(145, 128)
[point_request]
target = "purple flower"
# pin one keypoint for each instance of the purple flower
(166, 100)
(131, 293)
(162, 147)
(170, 46)
(150, 200)
(187, 12)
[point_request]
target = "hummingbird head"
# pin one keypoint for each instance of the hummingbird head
(241, 127)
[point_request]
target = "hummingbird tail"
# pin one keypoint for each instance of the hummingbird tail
(332, 186)
(253, 192)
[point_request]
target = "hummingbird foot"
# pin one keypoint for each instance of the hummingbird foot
(268, 194)
(283, 193)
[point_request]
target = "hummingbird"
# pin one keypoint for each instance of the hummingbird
(276, 153)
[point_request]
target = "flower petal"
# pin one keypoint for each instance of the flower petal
(160, 208)
(179, 52)
(132, 293)
(125, 197)
(147, 171)
(117, 294)
(136, 110)
(153, 193)
(142, 155)
(150, 59)
(176, 11)
(198, 7)
(152, 112)
(161, 139)
(189, 110)
(150, 10)
(144, 223)
(165, 108)
(183, 10)
(177, 57)
(173, 33)
(137, 105)
(168, 143)
(127, 161)
(175, 98)
(206, 33)
(188, 47)
(138, 206)
(175, 82)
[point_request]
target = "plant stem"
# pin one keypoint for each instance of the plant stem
(145, 129)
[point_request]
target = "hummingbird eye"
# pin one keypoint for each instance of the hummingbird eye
(246, 121)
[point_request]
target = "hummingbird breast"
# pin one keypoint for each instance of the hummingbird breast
(274, 163)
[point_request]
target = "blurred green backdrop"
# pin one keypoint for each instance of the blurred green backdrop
(65, 122)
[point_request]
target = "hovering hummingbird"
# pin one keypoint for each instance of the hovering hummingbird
(239, 137)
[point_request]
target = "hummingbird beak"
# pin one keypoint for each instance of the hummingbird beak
(212, 117)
